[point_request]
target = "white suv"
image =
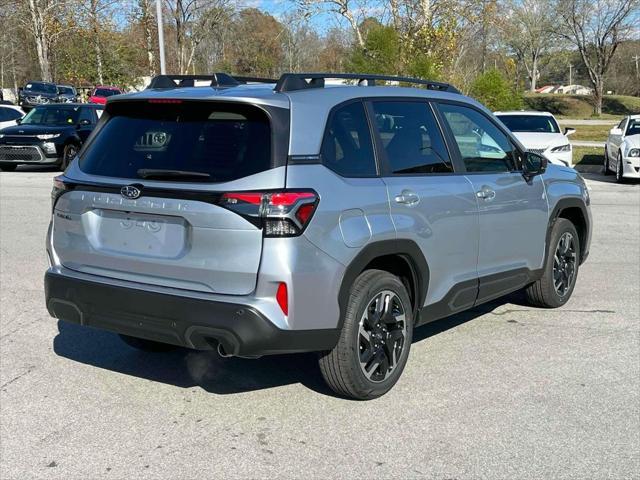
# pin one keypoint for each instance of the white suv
(540, 133)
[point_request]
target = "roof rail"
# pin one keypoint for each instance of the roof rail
(289, 82)
(177, 81)
(242, 79)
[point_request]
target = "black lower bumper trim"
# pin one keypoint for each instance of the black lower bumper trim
(189, 322)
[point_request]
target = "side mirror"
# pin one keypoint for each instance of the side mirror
(533, 165)
(569, 131)
(615, 131)
(19, 120)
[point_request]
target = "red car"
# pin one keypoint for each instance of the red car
(100, 94)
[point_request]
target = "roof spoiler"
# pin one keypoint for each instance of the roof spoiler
(300, 81)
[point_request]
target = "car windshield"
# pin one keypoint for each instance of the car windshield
(52, 116)
(65, 90)
(217, 143)
(105, 92)
(530, 123)
(634, 127)
(40, 87)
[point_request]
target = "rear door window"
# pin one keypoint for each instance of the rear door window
(214, 142)
(347, 148)
(411, 138)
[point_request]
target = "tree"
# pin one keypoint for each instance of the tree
(43, 27)
(193, 20)
(596, 28)
(345, 8)
(529, 32)
(491, 89)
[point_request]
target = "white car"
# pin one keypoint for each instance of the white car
(622, 150)
(9, 114)
(540, 133)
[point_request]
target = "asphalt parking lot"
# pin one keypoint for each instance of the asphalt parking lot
(504, 391)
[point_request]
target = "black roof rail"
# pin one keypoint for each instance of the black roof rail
(176, 81)
(289, 82)
(243, 79)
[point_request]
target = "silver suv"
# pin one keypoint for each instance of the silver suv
(260, 218)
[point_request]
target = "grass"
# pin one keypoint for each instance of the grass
(588, 156)
(593, 133)
(580, 106)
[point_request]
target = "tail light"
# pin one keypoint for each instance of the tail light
(281, 214)
(59, 187)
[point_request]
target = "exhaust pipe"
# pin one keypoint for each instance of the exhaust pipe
(222, 352)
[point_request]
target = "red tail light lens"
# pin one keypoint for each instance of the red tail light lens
(281, 214)
(282, 297)
(59, 187)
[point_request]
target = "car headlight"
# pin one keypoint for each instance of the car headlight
(562, 148)
(1, 135)
(47, 136)
(634, 152)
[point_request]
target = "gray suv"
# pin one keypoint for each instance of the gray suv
(260, 218)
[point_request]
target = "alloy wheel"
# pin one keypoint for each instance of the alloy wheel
(382, 335)
(564, 264)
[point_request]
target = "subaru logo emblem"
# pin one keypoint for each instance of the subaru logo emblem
(129, 191)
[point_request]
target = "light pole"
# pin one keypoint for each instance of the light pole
(163, 69)
(570, 72)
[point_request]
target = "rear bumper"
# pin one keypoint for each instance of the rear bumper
(188, 322)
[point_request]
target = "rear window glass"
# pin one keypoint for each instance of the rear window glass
(105, 92)
(214, 142)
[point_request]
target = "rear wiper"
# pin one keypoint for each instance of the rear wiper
(161, 173)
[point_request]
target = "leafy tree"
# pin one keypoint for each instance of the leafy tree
(494, 91)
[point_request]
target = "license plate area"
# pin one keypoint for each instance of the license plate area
(136, 234)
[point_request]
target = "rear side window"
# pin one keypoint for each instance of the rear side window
(215, 142)
(347, 148)
(411, 138)
(8, 114)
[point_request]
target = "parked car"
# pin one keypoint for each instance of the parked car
(48, 134)
(9, 114)
(67, 94)
(291, 217)
(100, 94)
(540, 133)
(622, 150)
(37, 93)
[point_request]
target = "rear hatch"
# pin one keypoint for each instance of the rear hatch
(144, 201)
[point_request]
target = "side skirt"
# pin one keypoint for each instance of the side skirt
(471, 293)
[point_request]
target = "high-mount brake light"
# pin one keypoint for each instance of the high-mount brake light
(281, 214)
(164, 100)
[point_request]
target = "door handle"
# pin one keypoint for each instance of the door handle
(486, 194)
(407, 197)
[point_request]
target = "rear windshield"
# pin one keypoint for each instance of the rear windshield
(530, 123)
(215, 142)
(105, 92)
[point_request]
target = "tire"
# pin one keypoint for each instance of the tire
(619, 170)
(69, 153)
(8, 167)
(341, 367)
(606, 162)
(146, 345)
(543, 292)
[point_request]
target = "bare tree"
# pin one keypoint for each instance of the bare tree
(348, 9)
(596, 28)
(193, 20)
(146, 21)
(42, 27)
(528, 31)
